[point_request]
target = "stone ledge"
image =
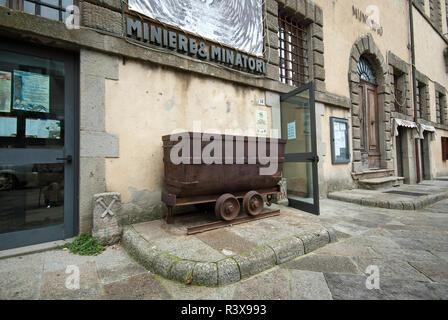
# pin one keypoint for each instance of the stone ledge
(369, 201)
(225, 271)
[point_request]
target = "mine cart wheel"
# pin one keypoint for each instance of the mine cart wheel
(227, 207)
(253, 203)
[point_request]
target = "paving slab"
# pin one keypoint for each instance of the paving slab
(308, 285)
(180, 291)
(390, 268)
(352, 287)
(348, 250)
(270, 285)
(437, 272)
(54, 284)
(139, 287)
(226, 242)
(323, 263)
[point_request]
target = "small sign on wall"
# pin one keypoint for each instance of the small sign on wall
(292, 131)
(340, 147)
(262, 122)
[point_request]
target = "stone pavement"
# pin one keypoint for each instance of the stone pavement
(410, 249)
(223, 256)
(404, 197)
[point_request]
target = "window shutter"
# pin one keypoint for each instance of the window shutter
(444, 148)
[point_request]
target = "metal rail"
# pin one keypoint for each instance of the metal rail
(267, 213)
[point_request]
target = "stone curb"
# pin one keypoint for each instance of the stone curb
(416, 204)
(229, 270)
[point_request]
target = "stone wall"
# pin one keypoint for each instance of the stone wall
(435, 11)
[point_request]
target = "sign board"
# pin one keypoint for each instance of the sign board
(292, 131)
(237, 24)
(340, 150)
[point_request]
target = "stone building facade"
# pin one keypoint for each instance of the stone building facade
(130, 95)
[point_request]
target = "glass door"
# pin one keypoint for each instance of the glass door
(301, 160)
(37, 145)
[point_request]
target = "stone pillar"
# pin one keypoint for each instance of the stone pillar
(95, 143)
(409, 161)
(107, 207)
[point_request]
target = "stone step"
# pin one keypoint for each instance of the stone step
(371, 174)
(380, 183)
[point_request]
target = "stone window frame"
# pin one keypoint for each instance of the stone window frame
(435, 13)
(365, 46)
(420, 4)
(397, 65)
(312, 17)
(443, 103)
(425, 111)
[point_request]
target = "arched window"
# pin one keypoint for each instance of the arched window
(365, 71)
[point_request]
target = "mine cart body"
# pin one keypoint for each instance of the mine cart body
(194, 181)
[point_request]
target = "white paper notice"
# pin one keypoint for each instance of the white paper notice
(8, 127)
(292, 130)
(43, 129)
(262, 122)
(340, 139)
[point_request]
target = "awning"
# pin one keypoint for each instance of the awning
(423, 127)
(405, 123)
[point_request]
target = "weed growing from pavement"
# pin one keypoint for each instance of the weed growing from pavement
(85, 245)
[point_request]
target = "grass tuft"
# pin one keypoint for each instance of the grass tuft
(85, 245)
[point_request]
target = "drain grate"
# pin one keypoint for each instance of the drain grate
(406, 193)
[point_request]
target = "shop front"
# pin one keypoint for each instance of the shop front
(38, 144)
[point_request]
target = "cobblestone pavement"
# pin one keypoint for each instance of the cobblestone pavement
(409, 248)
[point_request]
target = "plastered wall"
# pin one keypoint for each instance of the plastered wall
(148, 102)
(342, 29)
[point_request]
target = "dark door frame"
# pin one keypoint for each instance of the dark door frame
(70, 227)
(306, 157)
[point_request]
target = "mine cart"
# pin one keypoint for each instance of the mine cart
(225, 185)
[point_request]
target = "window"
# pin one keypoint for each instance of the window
(51, 9)
(365, 71)
(438, 111)
(440, 107)
(293, 51)
(399, 97)
(421, 101)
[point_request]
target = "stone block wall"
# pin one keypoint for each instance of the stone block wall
(435, 11)
(398, 65)
(425, 103)
(312, 17)
(103, 18)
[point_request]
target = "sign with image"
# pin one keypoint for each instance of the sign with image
(235, 23)
(43, 129)
(5, 91)
(31, 92)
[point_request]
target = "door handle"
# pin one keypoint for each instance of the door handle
(314, 159)
(67, 159)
